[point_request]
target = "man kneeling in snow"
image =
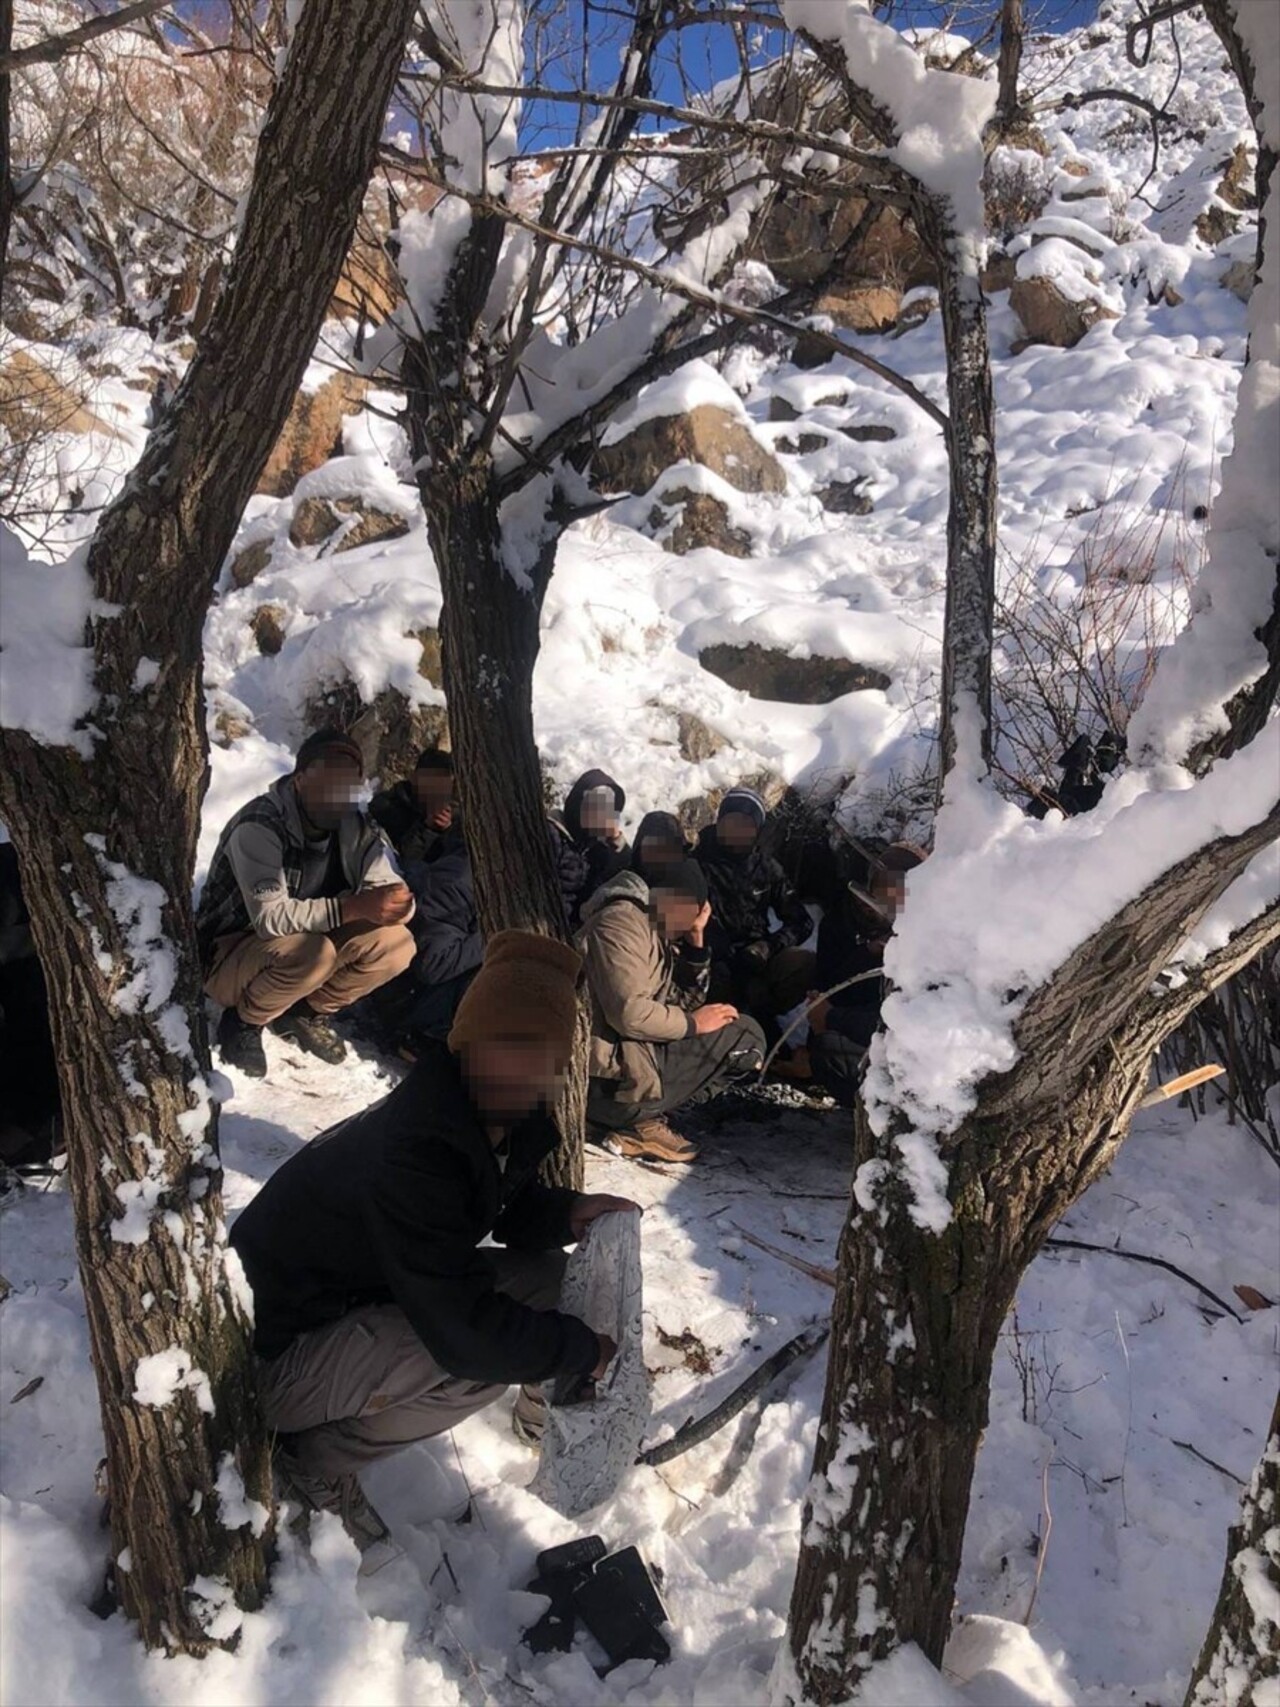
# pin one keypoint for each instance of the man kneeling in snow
(303, 912)
(655, 1040)
(377, 1319)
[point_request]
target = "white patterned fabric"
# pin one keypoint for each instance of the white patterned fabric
(589, 1446)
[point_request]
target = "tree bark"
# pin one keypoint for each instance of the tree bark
(1009, 66)
(918, 1314)
(106, 842)
(6, 165)
(1241, 1653)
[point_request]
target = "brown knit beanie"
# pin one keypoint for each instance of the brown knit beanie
(526, 990)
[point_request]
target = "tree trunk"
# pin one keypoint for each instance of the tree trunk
(918, 1313)
(1009, 66)
(6, 164)
(1241, 1653)
(489, 634)
(106, 841)
(969, 619)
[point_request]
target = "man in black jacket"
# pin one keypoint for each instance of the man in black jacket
(757, 965)
(587, 843)
(378, 1319)
(418, 815)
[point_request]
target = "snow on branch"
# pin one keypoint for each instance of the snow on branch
(937, 117)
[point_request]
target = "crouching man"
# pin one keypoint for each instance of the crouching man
(304, 910)
(655, 1040)
(378, 1319)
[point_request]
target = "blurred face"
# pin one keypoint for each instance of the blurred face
(597, 811)
(889, 891)
(657, 853)
(737, 832)
(510, 1078)
(328, 790)
(674, 914)
(433, 791)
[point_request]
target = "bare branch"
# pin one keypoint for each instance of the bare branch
(53, 48)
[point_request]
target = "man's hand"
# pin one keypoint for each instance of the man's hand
(608, 1351)
(591, 1206)
(697, 930)
(714, 1017)
(388, 904)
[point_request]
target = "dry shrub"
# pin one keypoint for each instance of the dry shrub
(1016, 190)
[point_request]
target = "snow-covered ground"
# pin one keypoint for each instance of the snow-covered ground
(1113, 1378)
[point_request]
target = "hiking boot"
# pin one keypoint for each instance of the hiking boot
(240, 1045)
(341, 1495)
(652, 1140)
(529, 1416)
(311, 1032)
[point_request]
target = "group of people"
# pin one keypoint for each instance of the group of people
(692, 952)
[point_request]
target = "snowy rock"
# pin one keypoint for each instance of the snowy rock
(764, 673)
(1236, 194)
(698, 741)
(1240, 278)
(268, 625)
(248, 564)
(999, 273)
(312, 433)
(1049, 317)
(705, 434)
(863, 307)
(34, 400)
(804, 444)
(870, 432)
(846, 497)
(703, 521)
(316, 520)
(390, 731)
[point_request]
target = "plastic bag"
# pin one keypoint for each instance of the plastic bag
(590, 1444)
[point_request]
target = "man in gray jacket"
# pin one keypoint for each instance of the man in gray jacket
(304, 910)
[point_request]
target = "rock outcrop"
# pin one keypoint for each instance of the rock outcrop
(707, 434)
(764, 673)
(312, 433)
(1049, 317)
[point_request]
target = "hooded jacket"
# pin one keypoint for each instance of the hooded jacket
(658, 827)
(389, 1207)
(643, 990)
(395, 811)
(585, 861)
(258, 868)
(744, 889)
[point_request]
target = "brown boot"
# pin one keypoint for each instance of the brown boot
(653, 1140)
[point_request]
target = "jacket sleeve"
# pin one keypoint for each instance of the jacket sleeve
(378, 865)
(257, 859)
(795, 925)
(537, 1218)
(693, 975)
(617, 953)
(445, 1288)
(447, 928)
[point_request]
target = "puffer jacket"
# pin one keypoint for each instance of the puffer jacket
(583, 861)
(744, 889)
(446, 926)
(643, 990)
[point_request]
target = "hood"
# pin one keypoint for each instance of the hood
(573, 800)
(626, 886)
(658, 826)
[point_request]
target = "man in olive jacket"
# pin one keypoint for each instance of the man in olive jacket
(379, 1317)
(656, 1042)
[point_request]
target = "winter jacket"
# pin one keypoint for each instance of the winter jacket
(263, 860)
(744, 889)
(845, 951)
(389, 1207)
(643, 990)
(584, 861)
(446, 926)
(395, 811)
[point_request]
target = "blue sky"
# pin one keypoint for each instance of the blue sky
(702, 56)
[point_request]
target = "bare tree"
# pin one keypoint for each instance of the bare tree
(1240, 1660)
(105, 828)
(920, 1300)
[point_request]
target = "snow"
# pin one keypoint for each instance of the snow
(939, 116)
(46, 680)
(162, 1375)
(1122, 1608)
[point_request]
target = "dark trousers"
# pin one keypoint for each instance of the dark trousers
(435, 1005)
(690, 1069)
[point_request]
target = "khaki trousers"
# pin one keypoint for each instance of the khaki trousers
(262, 977)
(366, 1385)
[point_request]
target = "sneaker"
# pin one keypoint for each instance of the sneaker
(312, 1033)
(652, 1140)
(240, 1045)
(529, 1416)
(341, 1495)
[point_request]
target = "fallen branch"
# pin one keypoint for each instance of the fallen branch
(826, 1275)
(1211, 1462)
(693, 1433)
(1155, 1262)
(1184, 1082)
